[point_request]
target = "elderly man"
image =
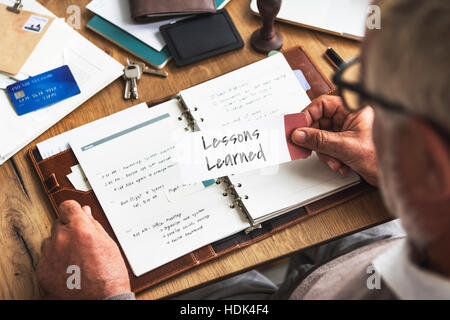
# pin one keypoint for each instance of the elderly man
(403, 74)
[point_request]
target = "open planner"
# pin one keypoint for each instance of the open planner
(165, 226)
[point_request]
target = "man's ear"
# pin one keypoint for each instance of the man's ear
(424, 163)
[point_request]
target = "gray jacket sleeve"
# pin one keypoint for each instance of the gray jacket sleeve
(123, 296)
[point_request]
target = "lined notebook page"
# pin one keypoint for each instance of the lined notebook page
(130, 165)
(260, 90)
(264, 88)
(273, 190)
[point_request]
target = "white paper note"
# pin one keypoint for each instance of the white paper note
(242, 147)
(78, 179)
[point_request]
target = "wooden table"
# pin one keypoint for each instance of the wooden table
(26, 215)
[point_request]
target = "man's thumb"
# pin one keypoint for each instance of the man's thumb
(321, 141)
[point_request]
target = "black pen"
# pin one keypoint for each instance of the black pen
(333, 58)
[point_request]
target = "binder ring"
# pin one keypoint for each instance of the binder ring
(191, 124)
(233, 186)
(187, 114)
(183, 115)
(238, 202)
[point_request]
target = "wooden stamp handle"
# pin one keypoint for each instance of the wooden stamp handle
(268, 10)
(267, 38)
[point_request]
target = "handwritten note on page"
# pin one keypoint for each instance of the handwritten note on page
(131, 166)
(263, 89)
(239, 148)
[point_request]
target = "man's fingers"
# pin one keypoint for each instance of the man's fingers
(344, 170)
(68, 210)
(321, 141)
(57, 225)
(326, 106)
(87, 210)
(46, 247)
(331, 162)
(325, 124)
(334, 164)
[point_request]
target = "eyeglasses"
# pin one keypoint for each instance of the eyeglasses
(355, 96)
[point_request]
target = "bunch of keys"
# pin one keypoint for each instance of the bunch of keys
(132, 73)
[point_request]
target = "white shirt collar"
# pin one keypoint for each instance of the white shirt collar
(407, 280)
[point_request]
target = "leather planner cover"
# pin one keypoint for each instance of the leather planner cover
(52, 173)
(147, 10)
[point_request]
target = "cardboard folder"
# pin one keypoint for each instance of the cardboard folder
(21, 33)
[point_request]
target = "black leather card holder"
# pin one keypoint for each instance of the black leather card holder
(201, 37)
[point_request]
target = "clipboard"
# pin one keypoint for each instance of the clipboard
(53, 171)
(22, 33)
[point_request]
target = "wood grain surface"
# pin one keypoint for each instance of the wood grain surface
(25, 213)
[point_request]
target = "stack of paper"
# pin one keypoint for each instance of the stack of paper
(118, 13)
(345, 18)
(61, 45)
(114, 22)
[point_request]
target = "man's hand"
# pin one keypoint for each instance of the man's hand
(341, 139)
(78, 239)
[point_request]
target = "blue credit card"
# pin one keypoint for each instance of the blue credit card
(43, 90)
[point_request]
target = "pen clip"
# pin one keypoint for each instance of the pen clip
(333, 58)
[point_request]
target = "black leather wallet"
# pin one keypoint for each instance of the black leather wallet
(201, 37)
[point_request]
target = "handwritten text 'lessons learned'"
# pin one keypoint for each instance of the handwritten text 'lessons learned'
(216, 153)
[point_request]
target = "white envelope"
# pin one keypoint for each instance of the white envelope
(93, 70)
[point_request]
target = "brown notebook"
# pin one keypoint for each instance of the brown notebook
(53, 173)
(148, 10)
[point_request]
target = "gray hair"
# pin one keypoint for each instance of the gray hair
(408, 60)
